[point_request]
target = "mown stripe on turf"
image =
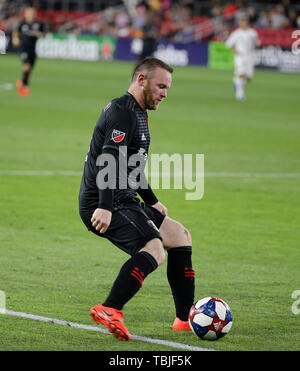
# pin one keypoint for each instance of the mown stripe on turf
(56, 321)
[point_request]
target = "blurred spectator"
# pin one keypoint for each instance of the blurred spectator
(139, 19)
(240, 14)
(298, 21)
(150, 35)
(122, 22)
(107, 29)
(229, 11)
(216, 11)
(287, 7)
(177, 20)
(166, 5)
(293, 18)
(252, 15)
(277, 17)
(263, 20)
(155, 5)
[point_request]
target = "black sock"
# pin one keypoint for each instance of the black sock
(130, 279)
(25, 77)
(181, 277)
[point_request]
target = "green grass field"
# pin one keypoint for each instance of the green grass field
(245, 230)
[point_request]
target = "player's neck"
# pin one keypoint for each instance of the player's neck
(138, 96)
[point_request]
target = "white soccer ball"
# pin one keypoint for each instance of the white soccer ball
(210, 318)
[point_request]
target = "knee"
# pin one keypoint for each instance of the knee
(27, 67)
(185, 236)
(156, 249)
(174, 234)
(188, 236)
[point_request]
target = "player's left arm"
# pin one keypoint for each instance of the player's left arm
(160, 207)
(40, 32)
(149, 198)
(230, 42)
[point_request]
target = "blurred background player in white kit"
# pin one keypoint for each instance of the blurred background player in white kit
(243, 41)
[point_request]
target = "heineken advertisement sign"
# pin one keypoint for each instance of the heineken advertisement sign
(81, 47)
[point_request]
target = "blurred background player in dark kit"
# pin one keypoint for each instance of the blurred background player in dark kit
(150, 35)
(25, 38)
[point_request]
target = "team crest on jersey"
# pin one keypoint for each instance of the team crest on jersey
(117, 136)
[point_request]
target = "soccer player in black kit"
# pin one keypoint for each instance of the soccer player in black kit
(25, 37)
(141, 229)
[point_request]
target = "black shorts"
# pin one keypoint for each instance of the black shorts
(28, 57)
(133, 224)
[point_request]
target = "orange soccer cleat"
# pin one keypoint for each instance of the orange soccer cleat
(112, 319)
(23, 90)
(179, 325)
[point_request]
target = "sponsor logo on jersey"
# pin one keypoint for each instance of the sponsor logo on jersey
(117, 136)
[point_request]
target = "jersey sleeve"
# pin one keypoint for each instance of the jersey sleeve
(147, 195)
(118, 131)
(230, 42)
(119, 126)
(41, 27)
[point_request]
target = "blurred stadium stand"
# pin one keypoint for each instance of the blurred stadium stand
(175, 20)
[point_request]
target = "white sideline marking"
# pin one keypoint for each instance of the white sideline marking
(171, 344)
(208, 175)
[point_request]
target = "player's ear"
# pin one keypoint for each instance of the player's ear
(141, 80)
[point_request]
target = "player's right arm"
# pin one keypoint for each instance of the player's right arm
(16, 36)
(16, 39)
(116, 125)
(231, 41)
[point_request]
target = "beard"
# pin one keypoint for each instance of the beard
(149, 100)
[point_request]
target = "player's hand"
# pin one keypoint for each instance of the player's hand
(16, 42)
(160, 207)
(101, 220)
(37, 33)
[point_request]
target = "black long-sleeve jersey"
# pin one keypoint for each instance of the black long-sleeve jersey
(121, 131)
